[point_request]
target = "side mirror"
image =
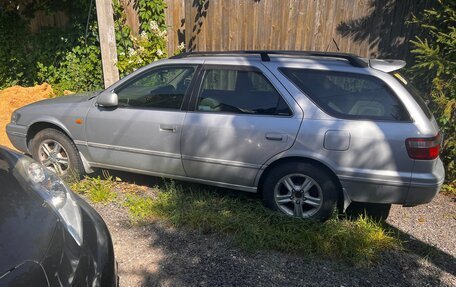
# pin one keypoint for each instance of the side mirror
(108, 100)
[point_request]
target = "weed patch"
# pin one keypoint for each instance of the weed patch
(97, 190)
(449, 189)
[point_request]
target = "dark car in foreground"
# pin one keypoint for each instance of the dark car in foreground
(49, 236)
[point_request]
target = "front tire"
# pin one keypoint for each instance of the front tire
(54, 150)
(302, 190)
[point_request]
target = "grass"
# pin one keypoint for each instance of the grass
(244, 220)
(96, 189)
(254, 227)
(449, 189)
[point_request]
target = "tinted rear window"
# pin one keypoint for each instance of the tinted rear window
(349, 95)
(416, 94)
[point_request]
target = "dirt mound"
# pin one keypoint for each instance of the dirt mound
(16, 97)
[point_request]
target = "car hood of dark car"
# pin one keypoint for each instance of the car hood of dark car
(26, 223)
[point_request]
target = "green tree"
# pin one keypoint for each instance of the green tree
(435, 56)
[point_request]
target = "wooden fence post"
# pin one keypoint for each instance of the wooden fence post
(106, 31)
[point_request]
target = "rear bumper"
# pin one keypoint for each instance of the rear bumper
(425, 186)
(375, 191)
(420, 188)
(17, 135)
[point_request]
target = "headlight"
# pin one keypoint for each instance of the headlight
(15, 117)
(56, 194)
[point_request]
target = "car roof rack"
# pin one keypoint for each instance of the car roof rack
(354, 60)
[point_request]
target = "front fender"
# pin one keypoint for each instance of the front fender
(49, 121)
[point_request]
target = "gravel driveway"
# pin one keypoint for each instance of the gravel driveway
(159, 255)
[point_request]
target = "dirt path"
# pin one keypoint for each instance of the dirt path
(158, 255)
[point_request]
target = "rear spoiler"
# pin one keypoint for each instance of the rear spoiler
(386, 65)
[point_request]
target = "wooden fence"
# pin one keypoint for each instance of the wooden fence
(375, 28)
(42, 19)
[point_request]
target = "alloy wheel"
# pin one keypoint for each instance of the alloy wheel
(53, 156)
(298, 195)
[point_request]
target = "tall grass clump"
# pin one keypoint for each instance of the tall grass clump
(98, 190)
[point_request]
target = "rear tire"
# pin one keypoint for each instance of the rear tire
(376, 211)
(302, 190)
(54, 150)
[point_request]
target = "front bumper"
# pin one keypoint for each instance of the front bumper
(92, 264)
(17, 135)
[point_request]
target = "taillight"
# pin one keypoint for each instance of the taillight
(423, 148)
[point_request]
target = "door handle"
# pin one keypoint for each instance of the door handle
(275, 137)
(168, 128)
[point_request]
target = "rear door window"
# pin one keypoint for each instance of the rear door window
(349, 95)
(239, 91)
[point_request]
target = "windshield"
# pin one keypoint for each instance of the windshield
(419, 97)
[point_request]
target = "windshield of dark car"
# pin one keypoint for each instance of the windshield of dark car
(422, 100)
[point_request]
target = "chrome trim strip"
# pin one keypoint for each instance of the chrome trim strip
(134, 150)
(178, 177)
(222, 162)
(374, 180)
(170, 155)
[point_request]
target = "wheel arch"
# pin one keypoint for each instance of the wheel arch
(318, 163)
(41, 125)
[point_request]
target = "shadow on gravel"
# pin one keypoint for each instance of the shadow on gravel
(437, 257)
(196, 259)
(193, 259)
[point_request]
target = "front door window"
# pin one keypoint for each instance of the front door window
(162, 88)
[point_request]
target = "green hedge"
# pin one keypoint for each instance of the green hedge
(435, 71)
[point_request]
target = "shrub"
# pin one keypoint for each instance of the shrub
(79, 70)
(435, 55)
(70, 59)
(135, 51)
(26, 58)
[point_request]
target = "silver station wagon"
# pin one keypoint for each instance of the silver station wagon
(310, 131)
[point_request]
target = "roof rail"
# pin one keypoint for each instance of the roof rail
(354, 60)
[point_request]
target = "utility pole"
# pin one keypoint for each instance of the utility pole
(105, 17)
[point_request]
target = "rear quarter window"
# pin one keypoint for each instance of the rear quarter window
(416, 94)
(349, 95)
